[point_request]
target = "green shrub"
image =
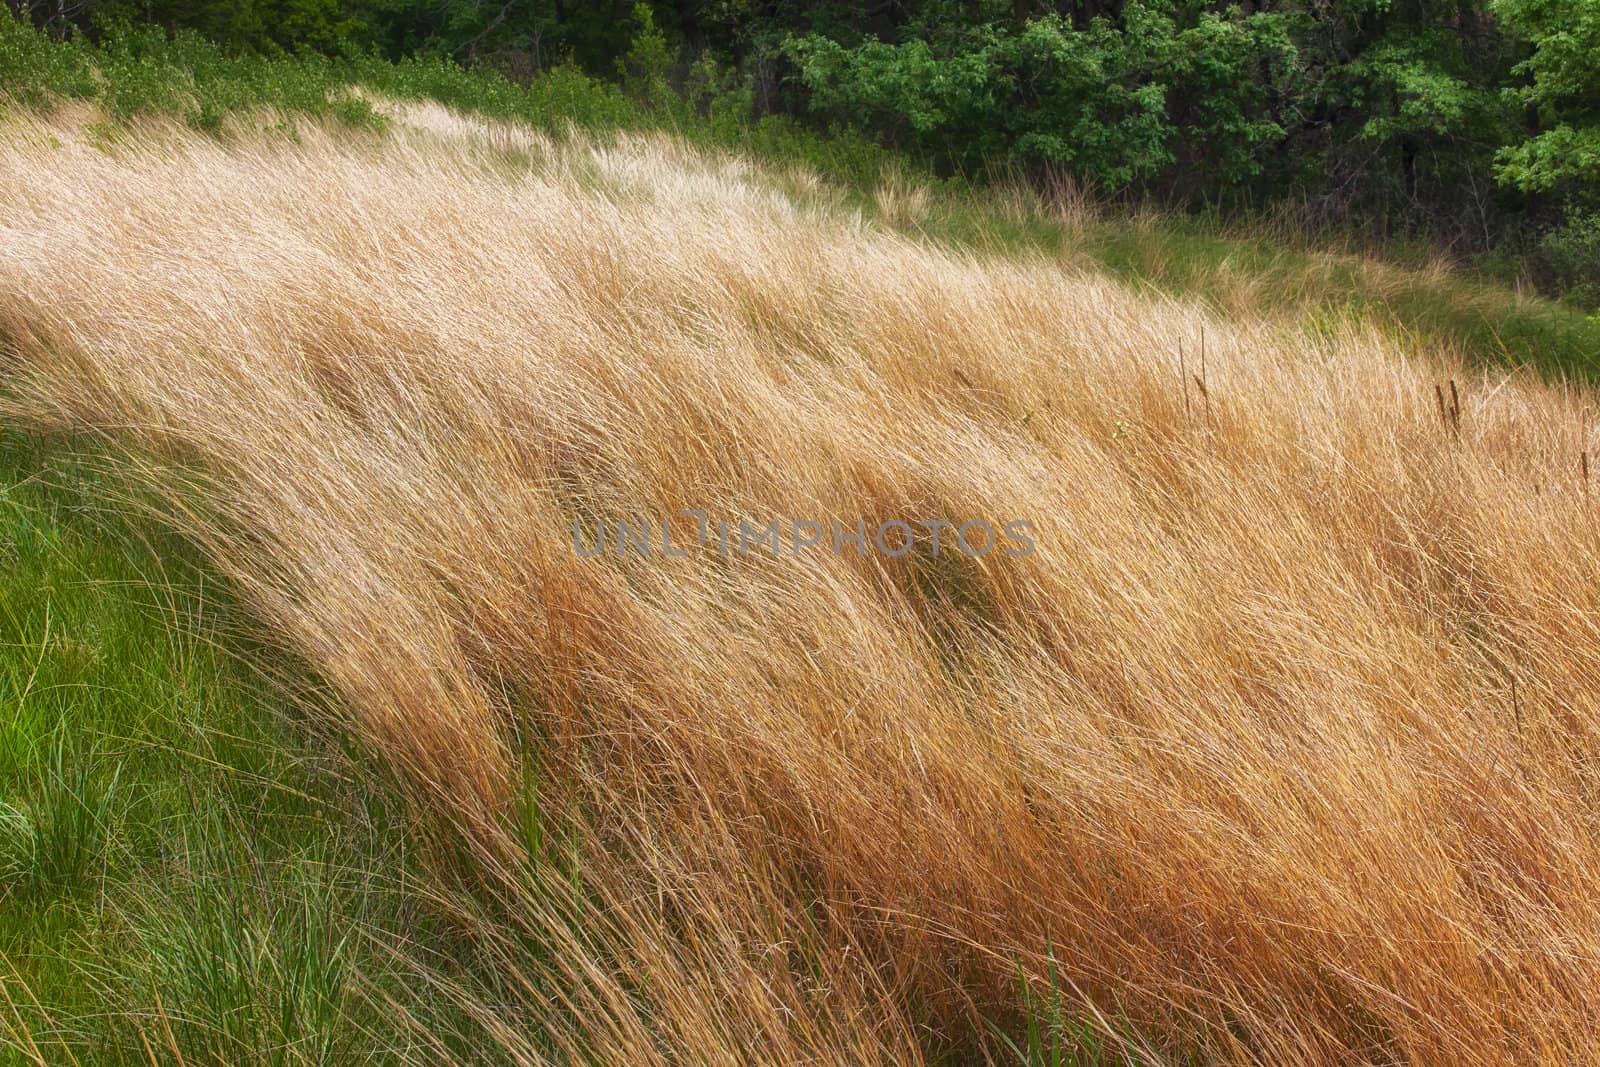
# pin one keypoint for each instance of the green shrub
(33, 67)
(1571, 255)
(1100, 101)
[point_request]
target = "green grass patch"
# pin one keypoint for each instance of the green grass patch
(185, 866)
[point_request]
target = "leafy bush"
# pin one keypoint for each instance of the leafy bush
(1571, 255)
(1103, 102)
(33, 68)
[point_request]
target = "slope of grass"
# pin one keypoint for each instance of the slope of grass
(1273, 271)
(178, 836)
(190, 871)
(1249, 269)
(1279, 748)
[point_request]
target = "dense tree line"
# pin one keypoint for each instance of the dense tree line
(1469, 123)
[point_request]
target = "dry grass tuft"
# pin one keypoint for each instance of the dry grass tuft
(902, 202)
(1281, 743)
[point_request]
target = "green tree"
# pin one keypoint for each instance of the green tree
(1562, 96)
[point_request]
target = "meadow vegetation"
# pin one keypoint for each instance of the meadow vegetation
(1279, 748)
(1464, 124)
(1262, 263)
(187, 864)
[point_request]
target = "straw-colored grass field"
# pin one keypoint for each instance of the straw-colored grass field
(1277, 749)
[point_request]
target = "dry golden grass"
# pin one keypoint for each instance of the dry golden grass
(1280, 743)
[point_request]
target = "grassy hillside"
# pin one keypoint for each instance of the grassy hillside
(1277, 748)
(1253, 268)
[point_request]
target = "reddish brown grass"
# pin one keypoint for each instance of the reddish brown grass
(1281, 743)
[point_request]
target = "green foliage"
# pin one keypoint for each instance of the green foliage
(647, 64)
(141, 69)
(331, 26)
(1570, 253)
(1092, 101)
(1417, 87)
(727, 100)
(1053, 1033)
(563, 95)
(1563, 93)
(1167, 94)
(32, 67)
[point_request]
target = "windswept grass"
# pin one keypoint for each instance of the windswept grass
(1260, 268)
(1254, 268)
(1278, 749)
